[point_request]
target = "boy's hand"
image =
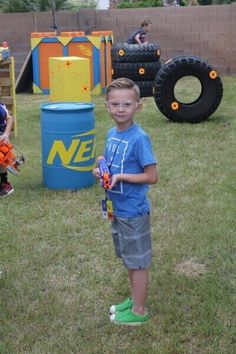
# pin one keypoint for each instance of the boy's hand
(4, 138)
(114, 180)
(96, 173)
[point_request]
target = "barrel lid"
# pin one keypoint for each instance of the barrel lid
(66, 106)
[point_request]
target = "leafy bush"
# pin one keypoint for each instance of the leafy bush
(43, 5)
(158, 3)
(139, 3)
(215, 2)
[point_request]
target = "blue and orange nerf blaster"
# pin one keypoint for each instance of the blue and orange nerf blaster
(105, 176)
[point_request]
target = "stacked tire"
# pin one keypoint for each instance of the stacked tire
(138, 62)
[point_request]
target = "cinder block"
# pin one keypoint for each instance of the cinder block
(199, 27)
(217, 26)
(203, 45)
(192, 36)
(167, 28)
(183, 45)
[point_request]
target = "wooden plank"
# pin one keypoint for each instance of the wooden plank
(5, 73)
(4, 67)
(5, 81)
(6, 91)
(5, 62)
(7, 100)
(10, 108)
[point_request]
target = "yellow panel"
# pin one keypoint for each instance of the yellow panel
(36, 89)
(35, 42)
(69, 79)
(64, 40)
(97, 89)
(96, 41)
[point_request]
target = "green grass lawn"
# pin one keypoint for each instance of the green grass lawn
(59, 274)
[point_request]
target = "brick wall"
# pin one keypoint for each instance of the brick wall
(206, 31)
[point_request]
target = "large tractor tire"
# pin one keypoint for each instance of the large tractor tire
(136, 71)
(202, 107)
(135, 53)
(146, 88)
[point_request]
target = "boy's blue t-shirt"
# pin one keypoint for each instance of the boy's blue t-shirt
(129, 152)
(3, 114)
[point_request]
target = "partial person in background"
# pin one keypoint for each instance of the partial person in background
(193, 3)
(6, 124)
(168, 3)
(139, 36)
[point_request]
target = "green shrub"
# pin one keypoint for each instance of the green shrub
(139, 3)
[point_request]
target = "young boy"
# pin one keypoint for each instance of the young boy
(132, 165)
(6, 123)
(139, 35)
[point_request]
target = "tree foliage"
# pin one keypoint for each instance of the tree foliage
(157, 3)
(42, 5)
(139, 3)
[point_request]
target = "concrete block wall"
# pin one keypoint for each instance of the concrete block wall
(206, 31)
(15, 28)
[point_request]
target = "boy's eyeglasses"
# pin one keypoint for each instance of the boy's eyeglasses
(125, 105)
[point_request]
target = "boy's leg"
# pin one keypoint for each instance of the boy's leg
(137, 314)
(3, 177)
(139, 281)
(5, 187)
(134, 239)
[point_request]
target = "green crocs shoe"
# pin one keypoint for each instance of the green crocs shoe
(123, 306)
(128, 318)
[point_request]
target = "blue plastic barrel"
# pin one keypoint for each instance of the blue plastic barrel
(68, 145)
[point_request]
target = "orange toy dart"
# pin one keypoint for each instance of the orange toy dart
(105, 178)
(8, 160)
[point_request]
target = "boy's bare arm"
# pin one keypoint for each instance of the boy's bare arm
(137, 38)
(10, 121)
(149, 176)
(5, 136)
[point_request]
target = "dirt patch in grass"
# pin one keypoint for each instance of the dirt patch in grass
(190, 267)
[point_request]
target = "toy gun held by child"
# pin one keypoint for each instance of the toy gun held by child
(8, 160)
(105, 176)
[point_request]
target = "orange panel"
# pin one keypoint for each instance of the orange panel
(83, 50)
(103, 33)
(42, 34)
(108, 62)
(107, 58)
(71, 34)
(47, 50)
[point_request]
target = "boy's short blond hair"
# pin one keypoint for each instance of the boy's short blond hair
(123, 83)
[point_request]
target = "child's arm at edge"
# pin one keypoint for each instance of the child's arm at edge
(5, 136)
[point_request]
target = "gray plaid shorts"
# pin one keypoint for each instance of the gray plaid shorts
(132, 241)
